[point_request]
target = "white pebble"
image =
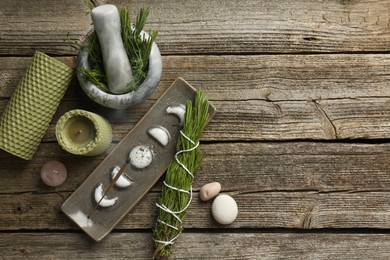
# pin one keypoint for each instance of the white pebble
(209, 190)
(141, 157)
(224, 209)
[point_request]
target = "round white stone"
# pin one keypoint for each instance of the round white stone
(141, 157)
(224, 209)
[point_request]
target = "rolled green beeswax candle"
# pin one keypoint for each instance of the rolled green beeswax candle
(33, 104)
(83, 133)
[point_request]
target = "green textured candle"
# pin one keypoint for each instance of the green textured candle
(33, 104)
(83, 133)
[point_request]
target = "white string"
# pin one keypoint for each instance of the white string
(185, 151)
(166, 224)
(165, 208)
(170, 242)
(174, 188)
(187, 138)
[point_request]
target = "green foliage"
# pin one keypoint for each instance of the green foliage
(195, 120)
(137, 47)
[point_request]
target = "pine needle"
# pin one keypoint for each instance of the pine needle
(195, 120)
(137, 47)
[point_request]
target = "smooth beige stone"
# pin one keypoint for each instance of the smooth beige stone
(209, 190)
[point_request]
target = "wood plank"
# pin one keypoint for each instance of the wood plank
(210, 245)
(258, 120)
(288, 120)
(283, 77)
(283, 166)
(209, 26)
(257, 209)
(289, 185)
(320, 97)
(253, 77)
(42, 25)
(270, 26)
(293, 185)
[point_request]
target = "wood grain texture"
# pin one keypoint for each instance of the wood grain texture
(300, 140)
(47, 26)
(253, 77)
(258, 120)
(215, 27)
(251, 245)
(280, 166)
(292, 210)
(277, 97)
(289, 185)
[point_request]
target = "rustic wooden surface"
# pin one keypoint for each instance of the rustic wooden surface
(300, 140)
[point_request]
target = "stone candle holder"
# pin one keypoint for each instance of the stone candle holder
(121, 101)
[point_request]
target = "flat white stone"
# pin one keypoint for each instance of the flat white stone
(107, 26)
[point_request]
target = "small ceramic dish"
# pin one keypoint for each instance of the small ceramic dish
(126, 100)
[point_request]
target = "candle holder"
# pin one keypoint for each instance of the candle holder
(33, 104)
(83, 133)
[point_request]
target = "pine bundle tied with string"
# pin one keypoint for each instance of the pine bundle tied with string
(177, 187)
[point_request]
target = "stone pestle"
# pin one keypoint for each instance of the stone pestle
(107, 26)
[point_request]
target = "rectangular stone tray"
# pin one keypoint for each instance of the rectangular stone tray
(81, 203)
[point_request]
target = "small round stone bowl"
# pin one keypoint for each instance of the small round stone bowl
(126, 100)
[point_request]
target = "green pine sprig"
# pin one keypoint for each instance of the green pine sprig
(196, 117)
(137, 46)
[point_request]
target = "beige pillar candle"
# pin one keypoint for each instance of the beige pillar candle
(83, 133)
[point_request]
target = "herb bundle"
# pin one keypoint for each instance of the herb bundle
(177, 190)
(137, 46)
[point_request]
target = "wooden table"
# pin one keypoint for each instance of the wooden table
(300, 140)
